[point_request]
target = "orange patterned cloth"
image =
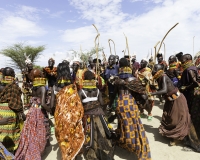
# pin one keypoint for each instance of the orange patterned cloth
(68, 122)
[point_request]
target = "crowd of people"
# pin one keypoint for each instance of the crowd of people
(85, 98)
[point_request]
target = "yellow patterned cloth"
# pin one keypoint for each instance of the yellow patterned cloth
(68, 122)
(9, 134)
(130, 128)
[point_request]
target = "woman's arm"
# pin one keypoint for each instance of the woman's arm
(163, 90)
(43, 99)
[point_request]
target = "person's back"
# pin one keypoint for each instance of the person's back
(129, 117)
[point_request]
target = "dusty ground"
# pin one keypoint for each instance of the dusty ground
(160, 149)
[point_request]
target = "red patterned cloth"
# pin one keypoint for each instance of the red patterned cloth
(33, 136)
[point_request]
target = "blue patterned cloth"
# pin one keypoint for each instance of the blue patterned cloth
(5, 154)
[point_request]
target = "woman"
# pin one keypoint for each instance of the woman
(35, 133)
(68, 113)
(10, 105)
(132, 136)
(96, 145)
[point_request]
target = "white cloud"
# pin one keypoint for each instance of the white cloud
(143, 31)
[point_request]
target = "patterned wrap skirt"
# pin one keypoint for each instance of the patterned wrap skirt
(33, 137)
(131, 131)
(9, 134)
(97, 145)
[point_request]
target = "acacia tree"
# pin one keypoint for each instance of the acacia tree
(17, 51)
(84, 56)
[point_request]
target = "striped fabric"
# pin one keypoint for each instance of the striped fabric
(10, 134)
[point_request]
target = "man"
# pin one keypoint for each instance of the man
(173, 70)
(175, 122)
(164, 64)
(135, 65)
(188, 79)
(10, 106)
(111, 70)
(162, 61)
(27, 84)
(145, 76)
(151, 63)
(50, 73)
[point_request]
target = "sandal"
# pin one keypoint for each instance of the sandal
(149, 118)
(142, 115)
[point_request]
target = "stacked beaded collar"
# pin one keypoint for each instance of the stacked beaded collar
(39, 82)
(125, 70)
(158, 74)
(8, 80)
(89, 84)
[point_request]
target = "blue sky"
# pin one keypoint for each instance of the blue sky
(65, 25)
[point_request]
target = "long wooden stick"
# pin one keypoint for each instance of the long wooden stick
(127, 48)
(165, 37)
(114, 45)
(97, 47)
(155, 51)
(110, 47)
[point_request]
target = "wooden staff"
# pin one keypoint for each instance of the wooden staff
(110, 47)
(165, 37)
(127, 48)
(155, 51)
(114, 45)
(97, 47)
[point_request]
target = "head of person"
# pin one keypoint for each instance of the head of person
(8, 71)
(75, 66)
(172, 59)
(157, 67)
(123, 62)
(179, 55)
(36, 73)
(150, 59)
(28, 63)
(90, 62)
(88, 75)
(133, 59)
(63, 71)
(66, 61)
(185, 58)
(111, 60)
(143, 63)
(51, 62)
(95, 61)
(159, 57)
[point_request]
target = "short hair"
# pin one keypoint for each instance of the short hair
(188, 56)
(8, 71)
(95, 60)
(36, 73)
(112, 56)
(88, 75)
(123, 62)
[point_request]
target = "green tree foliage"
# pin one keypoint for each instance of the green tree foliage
(84, 56)
(16, 54)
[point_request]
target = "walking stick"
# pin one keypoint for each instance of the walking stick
(114, 45)
(97, 46)
(155, 51)
(127, 48)
(166, 36)
(110, 47)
